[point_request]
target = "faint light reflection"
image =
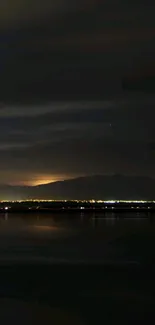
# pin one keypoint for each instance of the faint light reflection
(6, 216)
(47, 228)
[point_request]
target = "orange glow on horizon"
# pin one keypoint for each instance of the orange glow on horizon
(32, 182)
(39, 180)
(44, 180)
(36, 180)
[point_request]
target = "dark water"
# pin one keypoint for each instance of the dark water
(66, 238)
(77, 270)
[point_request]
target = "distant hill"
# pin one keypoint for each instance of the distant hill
(91, 187)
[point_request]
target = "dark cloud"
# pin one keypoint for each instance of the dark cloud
(81, 51)
(108, 137)
(67, 71)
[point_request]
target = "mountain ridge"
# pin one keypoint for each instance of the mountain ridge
(96, 187)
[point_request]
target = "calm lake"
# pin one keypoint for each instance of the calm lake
(77, 239)
(68, 269)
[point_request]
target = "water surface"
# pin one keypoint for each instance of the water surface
(66, 238)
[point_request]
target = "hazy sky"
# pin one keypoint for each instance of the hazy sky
(66, 109)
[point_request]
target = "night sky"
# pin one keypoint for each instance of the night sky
(77, 89)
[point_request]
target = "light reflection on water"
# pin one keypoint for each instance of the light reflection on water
(45, 228)
(66, 237)
(15, 223)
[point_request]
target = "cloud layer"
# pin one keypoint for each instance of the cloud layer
(76, 139)
(64, 111)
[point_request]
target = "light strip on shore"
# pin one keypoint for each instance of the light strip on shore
(79, 201)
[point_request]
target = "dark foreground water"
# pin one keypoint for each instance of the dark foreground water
(77, 270)
(76, 239)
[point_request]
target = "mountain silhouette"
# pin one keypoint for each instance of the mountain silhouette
(92, 187)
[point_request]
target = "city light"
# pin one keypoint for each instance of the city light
(104, 206)
(79, 201)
